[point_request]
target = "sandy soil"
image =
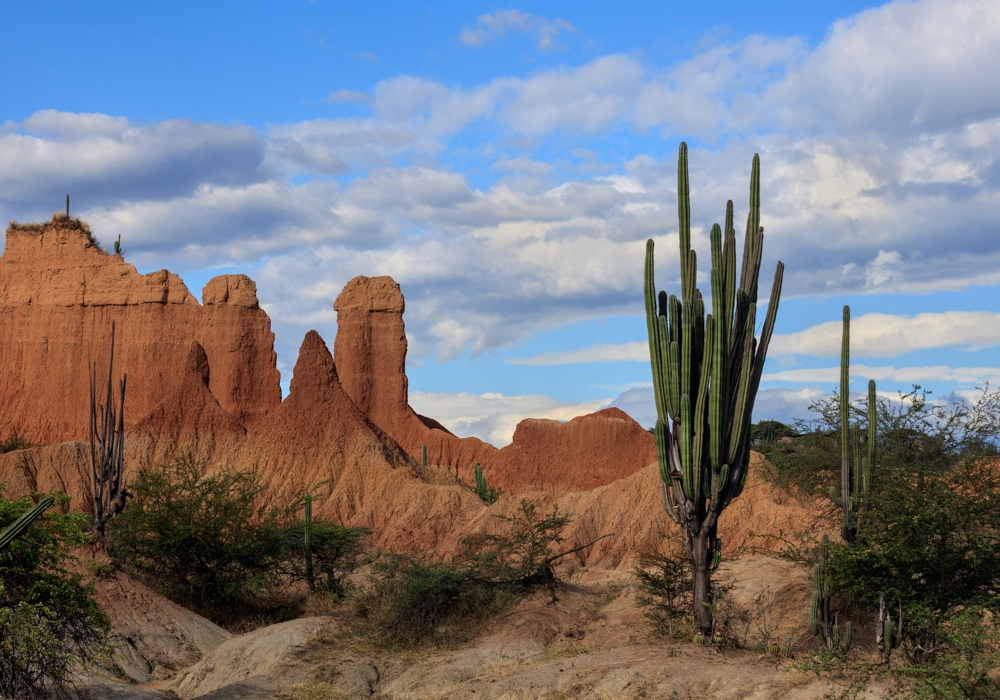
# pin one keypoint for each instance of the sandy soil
(591, 642)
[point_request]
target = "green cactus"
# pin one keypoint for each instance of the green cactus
(856, 462)
(423, 455)
(67, 206)
(118, 245)
(888, 635)
(487, 494)
(21, 525)
(307, 541)
(822, 624)
(706, 370)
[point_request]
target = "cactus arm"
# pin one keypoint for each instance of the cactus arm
(691, 475)
(701, 404)
(739, 412)
(845, 460)
(720, 362)
(770, 318)
(674, 377)
(683, 209)
(653, 328)
(21, 525)
(687, 338)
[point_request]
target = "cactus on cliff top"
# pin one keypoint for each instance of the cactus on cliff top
(706, 371)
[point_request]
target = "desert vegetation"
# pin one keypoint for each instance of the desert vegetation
(49, 620)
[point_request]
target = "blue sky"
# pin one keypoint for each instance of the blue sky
(506, 163)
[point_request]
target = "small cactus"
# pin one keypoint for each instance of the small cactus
(118, 245)
(423, 455)
(67, 206)
(887, 635)
(486, 493)
(822, 623)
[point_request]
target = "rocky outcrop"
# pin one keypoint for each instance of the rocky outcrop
(202, 379)
(197, 374)
(370, 352)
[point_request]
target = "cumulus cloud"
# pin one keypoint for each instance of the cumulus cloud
(901, 375)
(497, 24)
(493, 417)
(904, 67)
(639, 403)
(603, 352)
(103, 159)
(888, 335)
(859, 204)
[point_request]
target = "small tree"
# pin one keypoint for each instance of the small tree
(206, 540)
(107, 447)
(706, 370)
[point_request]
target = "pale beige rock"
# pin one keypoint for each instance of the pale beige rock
(267, 652)
(155, 638)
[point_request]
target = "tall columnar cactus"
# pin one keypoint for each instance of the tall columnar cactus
(307, 541)
(857, 460)
(822, 623)
(107, 447)
(706, 370)
(423, 455)
(21, 525)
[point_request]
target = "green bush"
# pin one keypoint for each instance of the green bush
(664, 582)
(211, 542)
(48, 617)
(415, 599)
(15, 441)
(336, 551)
(930, 538)
(203, 539)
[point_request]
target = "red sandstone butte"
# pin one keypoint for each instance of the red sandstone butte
(197, 374)
(370, 353)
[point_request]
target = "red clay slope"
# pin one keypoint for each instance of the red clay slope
(370, 352)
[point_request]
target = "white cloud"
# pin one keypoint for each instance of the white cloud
(854, 205)
(604, 352)
(902, 67)
(344, 96)
(888, 335)
(904, 375)
(496, 25)
(98, 158)
(493, 417)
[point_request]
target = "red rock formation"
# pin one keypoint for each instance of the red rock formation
(370, 352)
(579, 455)
(320, 441)
(59, 294)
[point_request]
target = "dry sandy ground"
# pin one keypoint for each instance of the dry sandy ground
(592, 642)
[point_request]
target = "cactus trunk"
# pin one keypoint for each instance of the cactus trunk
(307, 541)
(706, 370)
(856, 473)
